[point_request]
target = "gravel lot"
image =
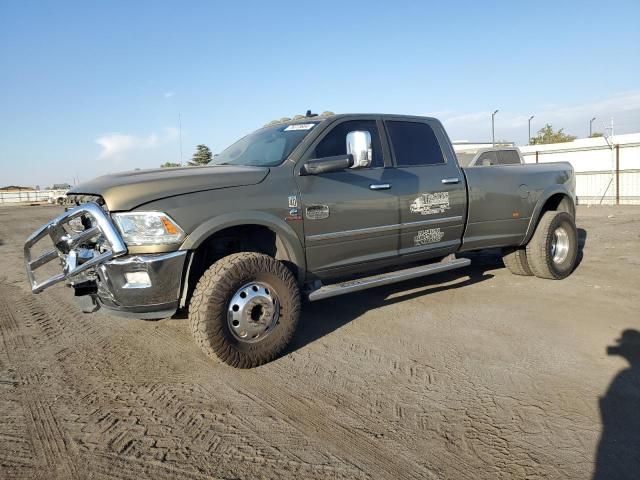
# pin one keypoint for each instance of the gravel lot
(464, 375)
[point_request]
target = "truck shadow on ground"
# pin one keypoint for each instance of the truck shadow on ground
(582, 241)
(322, 318)
(618, 453)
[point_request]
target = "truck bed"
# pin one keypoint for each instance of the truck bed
(503, 199)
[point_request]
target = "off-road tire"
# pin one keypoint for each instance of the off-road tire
(210, 302)
(539, 253)
(515, 259)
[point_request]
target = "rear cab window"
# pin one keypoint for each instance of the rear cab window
(498, 157)
(414, 144)
(508, 157)
(487, 158)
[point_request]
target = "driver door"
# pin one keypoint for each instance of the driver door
(350, 216)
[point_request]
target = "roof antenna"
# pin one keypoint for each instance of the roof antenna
(309, 114)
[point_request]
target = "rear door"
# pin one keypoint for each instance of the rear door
(350, 216)
(429, 185)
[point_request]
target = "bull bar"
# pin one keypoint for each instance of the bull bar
(66, 245)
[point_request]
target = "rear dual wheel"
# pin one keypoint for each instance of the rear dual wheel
(553, 250)
(515, 259)
(551, 253)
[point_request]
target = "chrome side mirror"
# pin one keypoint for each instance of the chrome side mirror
(359, 146)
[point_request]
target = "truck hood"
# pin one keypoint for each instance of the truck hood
(127, 190)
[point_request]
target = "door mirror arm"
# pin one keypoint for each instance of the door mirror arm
(317, 166)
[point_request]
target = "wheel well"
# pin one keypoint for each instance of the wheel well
(241, 238)
(558, 202)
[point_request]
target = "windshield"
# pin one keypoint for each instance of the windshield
(266, 147)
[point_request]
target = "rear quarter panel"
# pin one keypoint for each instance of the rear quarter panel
(505, 200)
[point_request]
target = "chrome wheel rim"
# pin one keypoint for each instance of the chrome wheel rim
(559, 245)
(253, 312)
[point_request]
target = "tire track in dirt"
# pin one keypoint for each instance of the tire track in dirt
(16, 451)
(41, 431)
(473, 423)
(47, 437)
(324, 422)
(12, 339)
(316, 421)
(128, 430)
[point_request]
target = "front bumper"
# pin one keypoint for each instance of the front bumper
(94, 261)
(158, 299)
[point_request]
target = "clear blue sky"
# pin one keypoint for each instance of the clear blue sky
(94, 87)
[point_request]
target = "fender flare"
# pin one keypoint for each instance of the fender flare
(285, 233)
(546, 195)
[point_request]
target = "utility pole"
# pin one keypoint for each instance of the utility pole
(591, 126)
(493, 130)
(529, 138)
(180, 128)
(613, 158)
(612, 126)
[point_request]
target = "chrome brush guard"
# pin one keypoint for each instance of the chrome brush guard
(68, 245)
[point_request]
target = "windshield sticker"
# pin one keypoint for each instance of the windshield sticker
(431, 203)
(425, 237)
(300, 126)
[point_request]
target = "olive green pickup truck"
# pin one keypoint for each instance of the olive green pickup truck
(306, 209)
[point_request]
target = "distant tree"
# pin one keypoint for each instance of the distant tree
(169, 165)
(202, 156)
(327, 113)
(596, 134)
(547, 135)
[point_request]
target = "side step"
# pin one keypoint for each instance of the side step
(385, 279)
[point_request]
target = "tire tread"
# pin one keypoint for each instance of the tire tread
(515, 259)
(210, 299)
(538, 254)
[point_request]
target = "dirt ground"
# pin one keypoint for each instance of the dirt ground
(469, 374)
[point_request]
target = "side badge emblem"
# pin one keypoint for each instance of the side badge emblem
(317, 212)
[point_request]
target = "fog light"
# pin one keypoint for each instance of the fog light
(137, 280)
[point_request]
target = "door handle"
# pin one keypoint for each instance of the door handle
(450, 180)
(380, 186)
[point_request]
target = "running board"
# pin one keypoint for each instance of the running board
(385, 279)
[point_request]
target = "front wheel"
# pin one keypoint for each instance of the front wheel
(553, 249)
(245, 309)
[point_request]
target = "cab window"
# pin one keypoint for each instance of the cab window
(414, 144)
(487, 158)
(335, 142)
(508, 157)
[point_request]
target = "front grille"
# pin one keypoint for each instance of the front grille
(70, 240)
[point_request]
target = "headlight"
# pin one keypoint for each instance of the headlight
(148, 228)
